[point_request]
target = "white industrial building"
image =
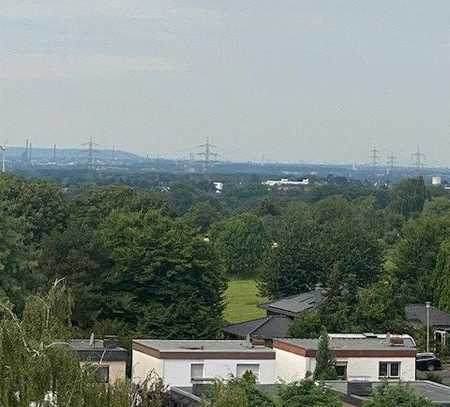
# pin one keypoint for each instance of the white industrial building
(181, 362)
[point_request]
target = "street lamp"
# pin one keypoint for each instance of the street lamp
(428, 305)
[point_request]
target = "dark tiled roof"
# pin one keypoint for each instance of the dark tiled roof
(296, 304)
(276, 326)
(418, 312)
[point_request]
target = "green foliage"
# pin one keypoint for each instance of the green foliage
(307, 393)
(242, 300)
(77, 256)
(325, 362)
(307, 325)
(238, 392)
(36, 368)
(396, 396)
(415, 256)
(442, 277)
(16, 260)
(241, 243)
(408, 196)
(202, 216)
(165, 280)
(437, 206)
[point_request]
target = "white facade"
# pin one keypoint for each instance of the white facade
(177, 372)
(291, 367)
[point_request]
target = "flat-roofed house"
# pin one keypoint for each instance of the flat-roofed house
(183, 362)
(108, 359)
(357, 359)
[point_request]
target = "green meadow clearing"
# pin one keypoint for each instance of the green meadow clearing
(242, 299)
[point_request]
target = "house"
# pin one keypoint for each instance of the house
(183, 362)
(109, 359)
(280, 316)
(439, 321)
(355, 394)
(366, 358)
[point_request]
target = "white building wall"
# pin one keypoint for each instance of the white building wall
(117, 370)
(368, 368)
(178, 372)
(143, 365)
(291, 367)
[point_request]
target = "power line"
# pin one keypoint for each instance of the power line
(418, 157)
(90, 152)
(392, 160)
(208, 154)
(374, 156)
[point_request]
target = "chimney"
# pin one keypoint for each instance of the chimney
(92, 340)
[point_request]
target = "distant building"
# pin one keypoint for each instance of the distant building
(218, 186)
(284, 183)
(367, 358)
(183, 362)
(436, 180)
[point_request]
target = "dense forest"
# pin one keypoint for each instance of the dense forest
(152, 261)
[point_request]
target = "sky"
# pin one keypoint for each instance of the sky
(317, 81)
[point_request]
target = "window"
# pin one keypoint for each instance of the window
(102, 374)
(390, 369)
(341, 370)
(243, 368)
(197, 370)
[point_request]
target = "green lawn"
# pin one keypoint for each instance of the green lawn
(242, 299)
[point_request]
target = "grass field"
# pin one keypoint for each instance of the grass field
(242, 299)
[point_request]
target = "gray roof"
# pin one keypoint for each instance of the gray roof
(200, 345)
(276, 326)
(97, 351)
(346, 344)
(418, 312)
(296, 304)
(439, 394)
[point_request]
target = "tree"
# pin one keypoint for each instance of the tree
(307, 393)
(36, 369)
(165, 280)
(325, 369)
(307, 325)
(442, 277)
(380, 307)
(241, 242)
(415, 256)
(238, 392)
(202, 216)
(437, 206)
(17, 261)
(79, 257)
(396, 396)
(295, 265)
(408, 196)
(42, 205)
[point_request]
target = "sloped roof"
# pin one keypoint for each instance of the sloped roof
(276, 326)
(418, 312)
(296, 304)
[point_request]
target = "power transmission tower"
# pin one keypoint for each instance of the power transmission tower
(374, 156)
(418, 157)
(91, 152)
(54, 153)
(392, 159)
(208, 154)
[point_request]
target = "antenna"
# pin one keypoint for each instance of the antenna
(208, 153)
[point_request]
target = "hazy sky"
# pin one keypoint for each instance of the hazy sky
(296, 80)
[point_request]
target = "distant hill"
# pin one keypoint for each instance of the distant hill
(71, 153)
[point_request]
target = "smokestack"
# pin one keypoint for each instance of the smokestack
(30, 151)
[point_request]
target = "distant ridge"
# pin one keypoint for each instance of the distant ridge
(69, 153)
